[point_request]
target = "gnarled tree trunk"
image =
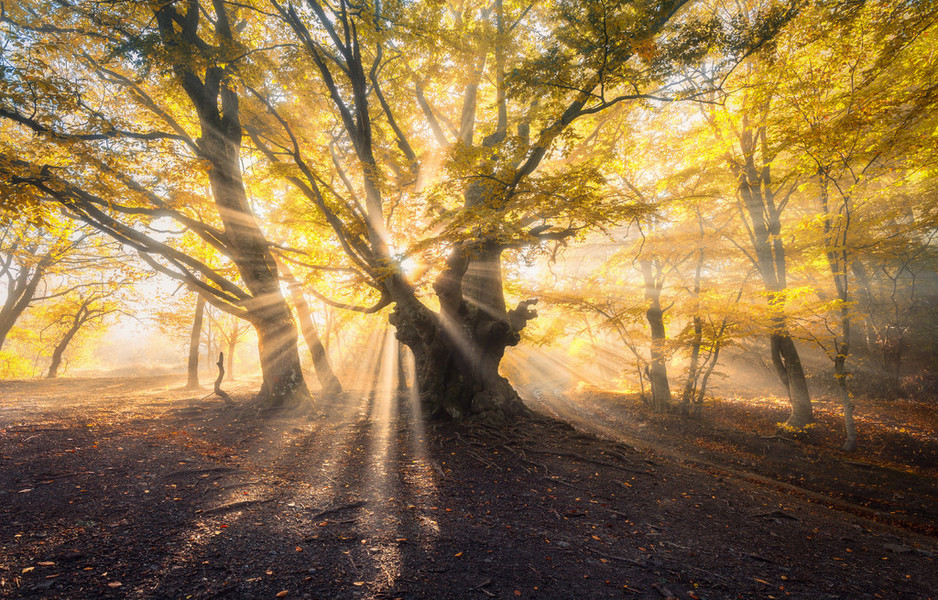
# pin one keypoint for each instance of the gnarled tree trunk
(790, 371)
(283, 383)
(457, 351)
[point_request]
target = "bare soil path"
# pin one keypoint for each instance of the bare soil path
(132, 488)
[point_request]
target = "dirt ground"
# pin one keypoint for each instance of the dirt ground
(133, 488)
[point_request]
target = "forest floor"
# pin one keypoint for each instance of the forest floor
(133, 488)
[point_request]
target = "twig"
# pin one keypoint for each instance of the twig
(36, 430)
(481, 588)
(774, 513)
(778, 437)
(665, 592)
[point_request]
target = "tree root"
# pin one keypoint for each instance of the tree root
(232, 507)
(601, 463)
(335, 509)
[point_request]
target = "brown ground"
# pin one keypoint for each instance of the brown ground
(133, 488)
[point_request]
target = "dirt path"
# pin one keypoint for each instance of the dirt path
(131, 482)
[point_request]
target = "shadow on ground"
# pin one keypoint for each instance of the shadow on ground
(136, 489)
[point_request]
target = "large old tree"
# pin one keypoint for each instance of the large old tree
(127, 112)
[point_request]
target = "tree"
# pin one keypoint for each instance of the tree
(740, 126)
(85, 311)
(864, 132)
(28, 256)
(498, 194)
(92, 160)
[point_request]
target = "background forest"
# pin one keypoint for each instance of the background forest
(703, 199)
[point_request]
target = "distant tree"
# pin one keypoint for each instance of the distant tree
(30, 256)
(86, 310)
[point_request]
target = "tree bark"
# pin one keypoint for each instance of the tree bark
(283, 383)
(192, 378)
(788, 366)
(221, 375)
(19, 295)
(401, 371)
(232, 343)
(693, 370)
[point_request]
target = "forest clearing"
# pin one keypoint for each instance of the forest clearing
(378, 299)
(139, 483)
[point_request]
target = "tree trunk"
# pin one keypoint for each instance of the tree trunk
(710, 364)
(59, 351)
(6, 325)
(20, 292)
(214, 96)
(221, 375)
(658, 367)
(758, 196)
(457, 352)
(850, 427)
(788, 366)
(192, 379)
(283, 384)
(401, 372)
(232, 342)
(693, 371)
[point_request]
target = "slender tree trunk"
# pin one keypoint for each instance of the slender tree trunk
(693, 372)
(59, 351)
(19, 295)
(232, 342)
(192, 379)
(710, 365)
(401, 372)
(846, 399)
(764, 224)
(836, 236)
(658, 367)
